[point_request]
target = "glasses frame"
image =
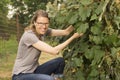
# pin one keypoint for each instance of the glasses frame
(42, 24)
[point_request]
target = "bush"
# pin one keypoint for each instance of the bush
(96, 55)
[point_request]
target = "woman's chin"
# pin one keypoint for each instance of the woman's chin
(42, 33)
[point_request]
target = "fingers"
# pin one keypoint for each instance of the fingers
(70, 28)
(81, 34)
(77, 35)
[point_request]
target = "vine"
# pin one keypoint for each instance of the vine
(96, 55)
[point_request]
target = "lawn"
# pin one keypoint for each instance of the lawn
(6, 65)
(8, 50)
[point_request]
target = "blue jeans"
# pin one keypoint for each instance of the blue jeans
(44, 71)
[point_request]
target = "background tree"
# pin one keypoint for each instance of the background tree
(26, 8)
(3, 13)
(96, 55)
(7, 26)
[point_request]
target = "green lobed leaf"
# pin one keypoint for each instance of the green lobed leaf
(84, 12)
(114, 51)
(73, 18)
(94, 73)
(99, 8)
(83, 47)
(78, 61)
(96, 29)
(82, 28)
(98, 54)
(110, 39)
(80, 75)
(93, 17)
(97, 39)
(89, 54)
(109, 60)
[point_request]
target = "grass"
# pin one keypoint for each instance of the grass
(6, 65)
(8, 50)
(8, 46)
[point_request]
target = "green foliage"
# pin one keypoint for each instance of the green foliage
(96, 55)
(3, 6)
(3, 12)
(26, 8)
(6, 25)
(8, 46)
(6, 65)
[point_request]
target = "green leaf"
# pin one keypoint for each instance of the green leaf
(99, 8)
(60, 19)
(94, 73)
(97, 39)
(84, 12)
(83, 28)
(93, 17)
(96, 29)
(103, 76)
(98, 54)
(86, 2)
(79, 75)
(110, 39)
(73, 19)
(89, 54)
(78, 61)
(83, 47)
(114, 51)
(109, 60)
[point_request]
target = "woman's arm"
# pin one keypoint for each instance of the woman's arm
(64, 32)
(42, 46)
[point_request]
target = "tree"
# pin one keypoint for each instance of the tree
(96, 55)
(4, 21)
(26, 8)
(3, 12)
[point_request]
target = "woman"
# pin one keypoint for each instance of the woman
(31, 44)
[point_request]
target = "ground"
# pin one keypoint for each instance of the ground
(6, 64)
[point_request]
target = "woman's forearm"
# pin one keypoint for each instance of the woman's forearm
(42, 46)
(64, 44)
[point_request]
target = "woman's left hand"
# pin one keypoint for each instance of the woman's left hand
(69, 29)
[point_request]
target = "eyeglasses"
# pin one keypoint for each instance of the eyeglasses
(42, 24)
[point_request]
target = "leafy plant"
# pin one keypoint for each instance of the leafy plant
(96, 55)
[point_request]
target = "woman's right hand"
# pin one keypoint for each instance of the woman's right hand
(77, 35)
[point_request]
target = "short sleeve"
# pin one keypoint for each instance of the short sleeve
(48, 33)
(29, 38)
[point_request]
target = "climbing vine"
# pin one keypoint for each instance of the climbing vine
(96, 55)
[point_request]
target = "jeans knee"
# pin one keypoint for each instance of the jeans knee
(61, 60)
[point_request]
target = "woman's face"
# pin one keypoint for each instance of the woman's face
(41, 25)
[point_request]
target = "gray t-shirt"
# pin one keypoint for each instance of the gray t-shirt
(27, 56)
